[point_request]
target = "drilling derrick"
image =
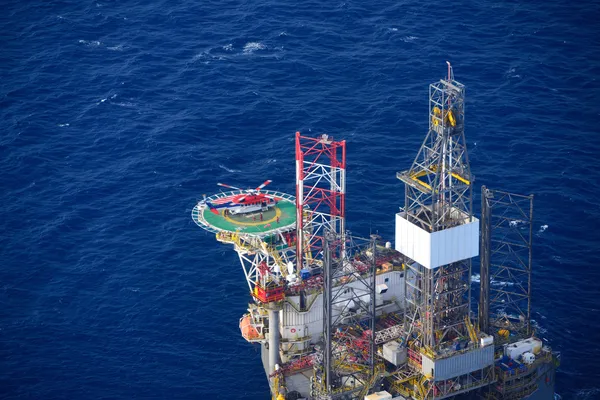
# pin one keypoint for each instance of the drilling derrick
(437, 231)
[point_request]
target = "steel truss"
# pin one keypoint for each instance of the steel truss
(261, 262)
(346, 366)
(438, 196)
(437, 302)
(438, 184)
(506, 244)
(320, 193)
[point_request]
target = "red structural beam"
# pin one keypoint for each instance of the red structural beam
(317, 194)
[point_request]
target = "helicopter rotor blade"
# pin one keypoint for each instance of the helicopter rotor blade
(265, 183)
(229, 186)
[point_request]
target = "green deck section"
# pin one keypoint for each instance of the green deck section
(251, 222)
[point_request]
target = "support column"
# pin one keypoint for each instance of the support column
(484, 254)
(273, 311)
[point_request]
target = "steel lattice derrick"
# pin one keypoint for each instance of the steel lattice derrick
(438, 197)
(320, 193)
(506, 251)
(438, 184)
(437, 303)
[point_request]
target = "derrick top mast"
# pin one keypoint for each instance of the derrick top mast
(438, 184)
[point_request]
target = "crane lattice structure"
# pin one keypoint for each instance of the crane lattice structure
(320, 193)
(507, 232)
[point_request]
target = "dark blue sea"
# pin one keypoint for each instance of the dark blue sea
(117, 116)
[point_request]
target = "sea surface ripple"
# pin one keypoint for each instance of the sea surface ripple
(118, 116)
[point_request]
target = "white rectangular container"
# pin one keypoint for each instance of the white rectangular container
(486, 340)
(394, 353)
(515, 350)
(458, 364)
(432, 250)
(536, 344)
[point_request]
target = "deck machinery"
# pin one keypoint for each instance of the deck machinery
(344, 317)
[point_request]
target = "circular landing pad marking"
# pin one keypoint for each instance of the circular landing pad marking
(256, 217)
(244, 223)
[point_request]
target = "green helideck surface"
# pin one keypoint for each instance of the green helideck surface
(251, 223)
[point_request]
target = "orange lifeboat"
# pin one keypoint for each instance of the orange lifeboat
(249, 331)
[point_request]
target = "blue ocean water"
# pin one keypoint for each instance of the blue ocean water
(117, 116)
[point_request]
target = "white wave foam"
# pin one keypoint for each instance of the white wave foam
(588, 394)
(228, 169)
(543, 228)
(251, 47)
(476, 278)
(228, 47)
(408, 39)
(126, 104)
(107, 98)
(511, 73)
(91, 43)
(516, 223)
(206, 56)
(538, 328)
(501, 283)
(199, 56)
(62, 125)
(118, 47)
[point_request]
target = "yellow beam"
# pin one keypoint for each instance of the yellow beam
(460, 178)
(418, 174)
(454, 175)
(421, 182)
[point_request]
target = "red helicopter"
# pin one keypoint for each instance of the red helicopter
(250, 200)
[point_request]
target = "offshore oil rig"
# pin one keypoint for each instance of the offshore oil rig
(345, 317)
